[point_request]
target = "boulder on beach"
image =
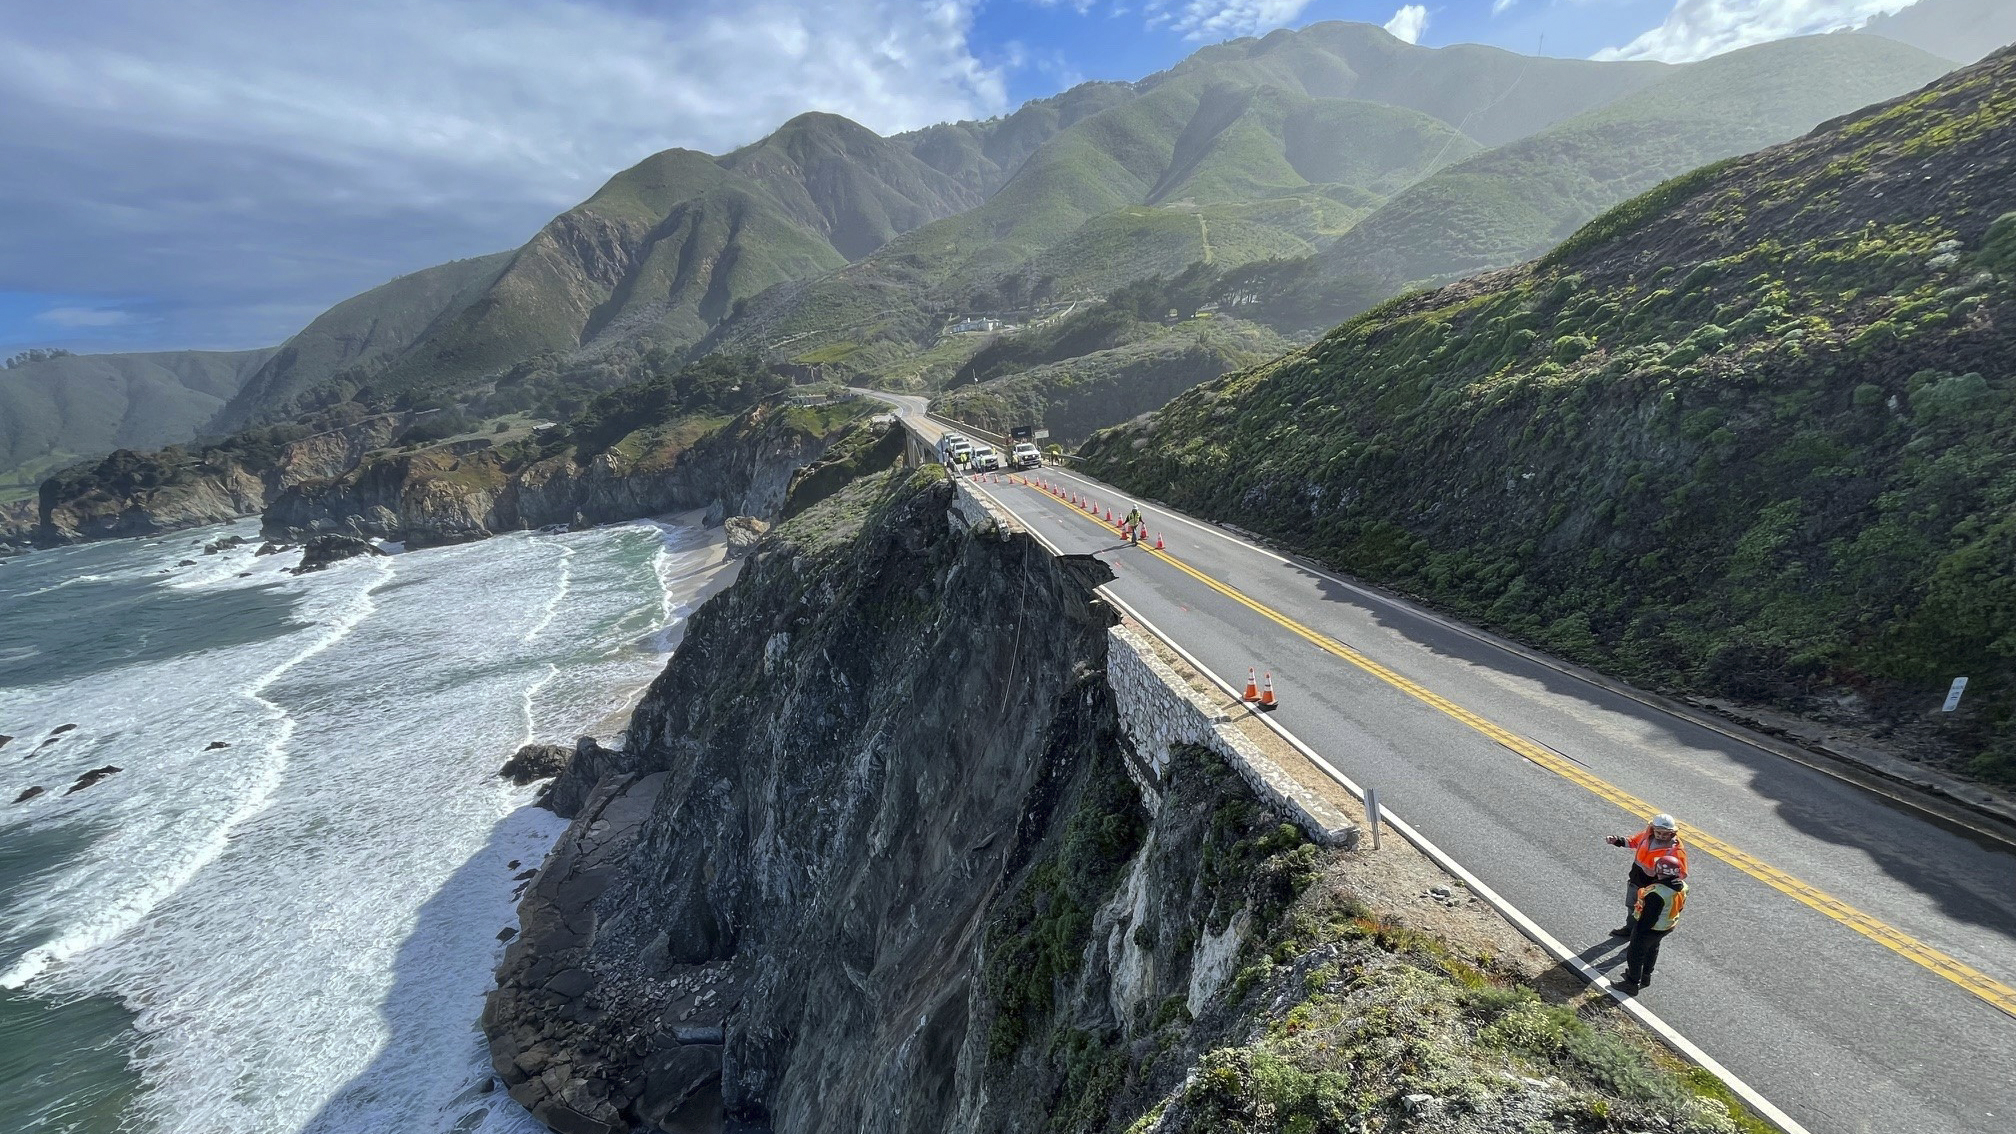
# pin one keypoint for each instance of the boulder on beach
(536, 762)
(215, 745)
(326, 549)
(271, 548)
(223, 544)
(27, 794)
(743, 532)
(92, 777)
(59, 730)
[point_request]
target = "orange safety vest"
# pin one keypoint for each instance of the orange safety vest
(1648, 853)
(1675, 898)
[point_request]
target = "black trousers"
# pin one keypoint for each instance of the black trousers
(1642, 954)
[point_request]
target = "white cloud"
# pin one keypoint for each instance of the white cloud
(237, 152)
(74, 317)
(1230, 19)
(1696, 29)
(1498, 6)
(1409, 22)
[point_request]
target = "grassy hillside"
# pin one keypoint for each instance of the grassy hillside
(77, 406)
(1514, 202)
(354, 335)
(1079, 393)
(667, 249)
(1750, 434)
(1278, 143)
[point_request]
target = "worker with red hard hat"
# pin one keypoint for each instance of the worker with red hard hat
(1653, 915)
(1659, 839)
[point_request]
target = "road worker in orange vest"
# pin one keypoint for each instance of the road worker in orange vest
(1653, 916)
(1660, 837)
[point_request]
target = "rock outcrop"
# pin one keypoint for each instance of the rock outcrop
(91, 777)
(322, 551)
(744, 532)
(535, 762)
(470, 490)
(136, 494)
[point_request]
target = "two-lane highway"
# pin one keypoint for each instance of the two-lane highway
(1848, 957)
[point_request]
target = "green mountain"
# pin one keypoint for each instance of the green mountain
(357, 334)
(1318, 159)
(666, 249)
(1514, 202)
(63, 409)
(1751, 434)
(1277, 144)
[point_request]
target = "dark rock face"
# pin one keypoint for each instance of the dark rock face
(536, 762)
(770, 905)
(325, 550)
(91, 777)
(221, 545)
(568, 793)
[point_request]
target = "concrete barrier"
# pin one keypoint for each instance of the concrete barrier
(1158, 710)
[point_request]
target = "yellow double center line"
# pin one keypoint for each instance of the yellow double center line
(1966, 976)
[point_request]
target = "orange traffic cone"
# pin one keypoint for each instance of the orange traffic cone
(1267, 693)
(1158, 543)
(1252, 685)
(1109, 515)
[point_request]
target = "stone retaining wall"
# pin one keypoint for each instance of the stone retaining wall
(1158, 709)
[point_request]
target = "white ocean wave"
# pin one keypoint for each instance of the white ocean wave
(305, 922)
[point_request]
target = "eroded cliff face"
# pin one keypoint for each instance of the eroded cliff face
(468, 490)
(137, 494)
(877, 856)
(845, 760)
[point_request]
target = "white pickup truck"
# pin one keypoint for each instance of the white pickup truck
(1026, 456)
(986, 459)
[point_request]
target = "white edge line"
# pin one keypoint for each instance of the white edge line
(1526, 925)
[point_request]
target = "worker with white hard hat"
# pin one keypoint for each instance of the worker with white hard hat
(1659, 839)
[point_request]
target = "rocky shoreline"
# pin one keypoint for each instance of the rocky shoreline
(351, 481)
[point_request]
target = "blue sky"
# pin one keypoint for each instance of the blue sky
(214, 173)
(1062, 42)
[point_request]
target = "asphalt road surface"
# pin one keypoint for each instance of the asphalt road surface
(1847, 956)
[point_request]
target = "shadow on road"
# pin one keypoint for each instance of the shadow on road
(1966, 876)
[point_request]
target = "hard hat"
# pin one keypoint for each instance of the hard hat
(1667, 866)
(1664, 822)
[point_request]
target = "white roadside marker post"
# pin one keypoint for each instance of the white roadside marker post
(1953, 695)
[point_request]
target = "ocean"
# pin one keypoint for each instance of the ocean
(281, 913)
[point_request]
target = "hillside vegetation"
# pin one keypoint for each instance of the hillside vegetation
(354, 338)
(61, 409)
(1515, 202)
(1751, 434)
